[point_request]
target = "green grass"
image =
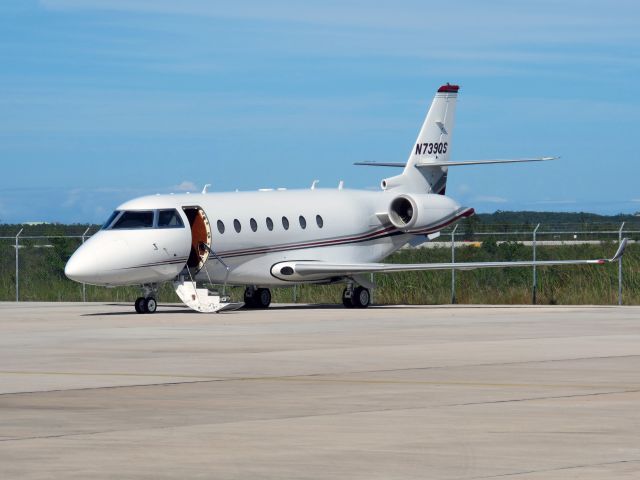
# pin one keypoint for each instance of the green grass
(42, 278)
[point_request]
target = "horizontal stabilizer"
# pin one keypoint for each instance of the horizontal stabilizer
(382, 164)
(454, 164)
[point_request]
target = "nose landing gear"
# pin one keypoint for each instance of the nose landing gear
(147, 303)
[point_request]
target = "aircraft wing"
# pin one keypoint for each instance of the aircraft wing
(309, 270)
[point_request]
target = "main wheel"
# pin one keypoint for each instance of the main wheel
(250, 298)
(346, 301)
(150, 305)
(139, 305)
(262, 298)
(361, 297)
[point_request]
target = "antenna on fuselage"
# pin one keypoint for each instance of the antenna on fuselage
(205, 189)
(314, 183)
(340, 184)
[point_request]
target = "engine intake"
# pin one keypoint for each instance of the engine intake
(411, 212)
(402, 212)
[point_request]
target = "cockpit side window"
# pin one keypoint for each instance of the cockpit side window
(134, 219)
(169, 219)
(110, 220)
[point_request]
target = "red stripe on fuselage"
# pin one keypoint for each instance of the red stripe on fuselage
(385, 232)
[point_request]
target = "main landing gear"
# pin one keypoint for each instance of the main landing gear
(358, 297)
(147, 303)
(257, 297)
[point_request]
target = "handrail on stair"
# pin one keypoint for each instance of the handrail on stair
(191, 277)
(206, 247)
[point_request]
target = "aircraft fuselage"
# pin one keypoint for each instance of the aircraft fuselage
(249, 233)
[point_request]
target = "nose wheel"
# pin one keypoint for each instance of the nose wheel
(146, 305)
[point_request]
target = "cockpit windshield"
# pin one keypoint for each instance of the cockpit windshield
(134, 219)
(169, 219)
(110, 220)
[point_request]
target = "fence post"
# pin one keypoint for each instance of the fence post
(620, 267)
(453, 260)
(372, 290)
(535, 272)
(295, 293)
(17, 269)
(84, 285)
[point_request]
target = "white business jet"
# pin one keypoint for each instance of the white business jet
(285, 237)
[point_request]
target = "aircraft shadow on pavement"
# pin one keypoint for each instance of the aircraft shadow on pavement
(163, 309)
(175, 308)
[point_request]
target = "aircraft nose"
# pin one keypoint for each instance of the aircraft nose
(80, 267)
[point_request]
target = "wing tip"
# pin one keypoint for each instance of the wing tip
(621, 248)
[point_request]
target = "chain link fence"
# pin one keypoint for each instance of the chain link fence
(32, 257)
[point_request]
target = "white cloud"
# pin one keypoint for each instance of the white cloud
(571, 21)
(463, 189)
(185, 186)
(490, 199)
(555, 202)
(73, 196)
(100, 211)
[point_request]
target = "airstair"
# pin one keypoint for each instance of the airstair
(202, 299)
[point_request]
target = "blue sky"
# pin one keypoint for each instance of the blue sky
(105, 100)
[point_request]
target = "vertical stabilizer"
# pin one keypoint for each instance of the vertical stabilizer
(432, 145)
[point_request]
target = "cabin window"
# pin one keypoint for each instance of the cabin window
(254, 224)
(169, 219)
(319, 221)
(285, 223)
(134, 219)
(303, 222)
(269, 224)
(236, 225)
(110, 220)
(220, 225)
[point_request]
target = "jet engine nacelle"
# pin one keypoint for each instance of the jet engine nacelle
(415, 212)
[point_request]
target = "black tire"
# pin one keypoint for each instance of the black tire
(262, 298)
(139, 305)
(361, 297)
(150, 305)
(250, 300)
(346, 301)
